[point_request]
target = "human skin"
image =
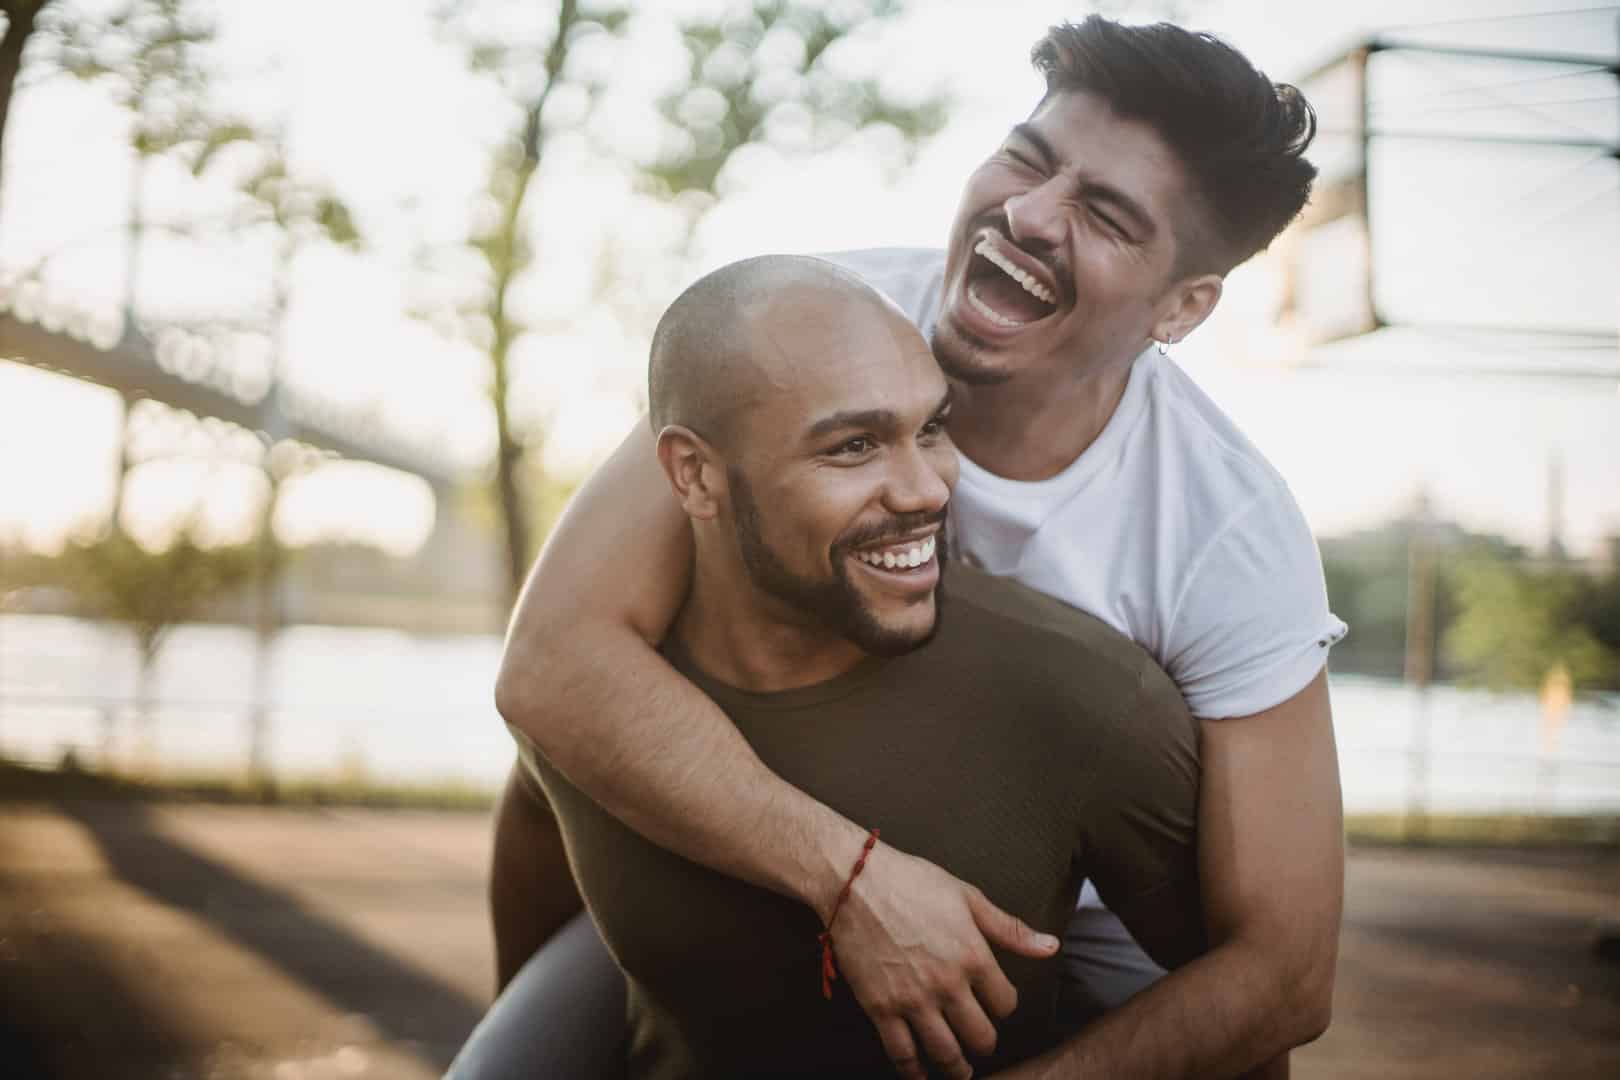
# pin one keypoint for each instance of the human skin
(842, 447)
(582, 678)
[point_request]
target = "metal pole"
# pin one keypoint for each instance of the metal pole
(1419, 664)
(1364, 134)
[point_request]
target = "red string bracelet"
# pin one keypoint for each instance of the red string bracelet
(828, 971)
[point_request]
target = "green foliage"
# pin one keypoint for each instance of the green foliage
(1519, 622)
(1500, 619)
(302, 210)
(150, 53)
(768, 75)
(760, 73)
(1368, 581)
(152, 591)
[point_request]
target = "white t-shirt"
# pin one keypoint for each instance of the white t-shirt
(1171, 527)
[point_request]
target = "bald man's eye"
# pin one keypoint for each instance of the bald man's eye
(935, 427)
(860, 444)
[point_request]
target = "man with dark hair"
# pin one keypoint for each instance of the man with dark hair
(1092, 469)
(800, 423)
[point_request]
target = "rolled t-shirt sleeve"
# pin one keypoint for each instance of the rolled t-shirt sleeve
(1253, 627)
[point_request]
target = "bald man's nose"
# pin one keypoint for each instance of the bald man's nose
(916, 485)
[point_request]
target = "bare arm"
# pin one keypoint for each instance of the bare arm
(1271, 859)
(581, 677)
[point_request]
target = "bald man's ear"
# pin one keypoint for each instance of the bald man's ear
(695, 470)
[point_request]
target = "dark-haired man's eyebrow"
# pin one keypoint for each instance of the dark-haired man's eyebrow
(1140, 219)
(1028, 133)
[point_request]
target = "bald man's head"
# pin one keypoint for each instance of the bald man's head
(800, 421)
(716, 347)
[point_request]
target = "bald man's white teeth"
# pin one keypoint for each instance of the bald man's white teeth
(901, 556)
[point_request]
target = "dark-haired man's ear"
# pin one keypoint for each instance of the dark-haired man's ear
(695, 470)
(1188, 304)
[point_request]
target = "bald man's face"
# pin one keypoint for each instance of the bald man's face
(841, 470)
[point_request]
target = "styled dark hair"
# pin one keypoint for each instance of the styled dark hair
(1240, 137)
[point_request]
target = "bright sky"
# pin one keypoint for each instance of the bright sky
(386, 114)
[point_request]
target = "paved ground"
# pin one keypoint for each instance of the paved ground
(184, 942)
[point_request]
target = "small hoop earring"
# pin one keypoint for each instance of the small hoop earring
(1164, 346)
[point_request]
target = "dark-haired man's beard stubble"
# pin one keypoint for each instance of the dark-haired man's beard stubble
(836, 603)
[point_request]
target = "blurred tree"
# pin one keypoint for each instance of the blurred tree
(1597, 609)
(151, 591)
(1519, 622)
(150, 56)
(759, 74)
(297, 214)
(23, 19)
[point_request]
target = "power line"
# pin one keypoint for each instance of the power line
(1428, 63)
(1513, 201)
(1568, 211)
(1516, 16)
(1476, 106)
(1514, 83)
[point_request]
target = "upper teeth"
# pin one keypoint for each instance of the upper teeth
(1023, 277)
(905, 556)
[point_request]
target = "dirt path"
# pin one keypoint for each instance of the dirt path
(183, 942)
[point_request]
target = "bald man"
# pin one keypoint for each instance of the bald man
(1016, 742)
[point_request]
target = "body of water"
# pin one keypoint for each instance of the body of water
(394, 706)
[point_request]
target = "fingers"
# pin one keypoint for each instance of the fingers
(1008, 931)
(995, 991)
(941, 1046)
(972, 1027)
(901, 1048)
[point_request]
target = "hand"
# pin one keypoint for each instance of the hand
(913, 943)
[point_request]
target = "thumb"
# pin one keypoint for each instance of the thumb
(1009, 931)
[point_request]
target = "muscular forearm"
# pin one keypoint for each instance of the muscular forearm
(1271, 871)
(659, 755)
(582, 678)
(1223, 1015)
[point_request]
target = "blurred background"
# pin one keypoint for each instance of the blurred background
(313, 315)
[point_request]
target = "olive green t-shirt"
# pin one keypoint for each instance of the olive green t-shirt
(1025, 748)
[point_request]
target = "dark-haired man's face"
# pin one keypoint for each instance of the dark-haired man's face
(1062, 246)
(839, 488)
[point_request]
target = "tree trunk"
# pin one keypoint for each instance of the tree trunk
(514, 516)
(20, 21)
(508, 450)
(146, 753)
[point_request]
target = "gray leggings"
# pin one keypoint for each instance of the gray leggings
(563, 1016)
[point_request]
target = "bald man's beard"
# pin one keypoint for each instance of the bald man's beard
(836, 604)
